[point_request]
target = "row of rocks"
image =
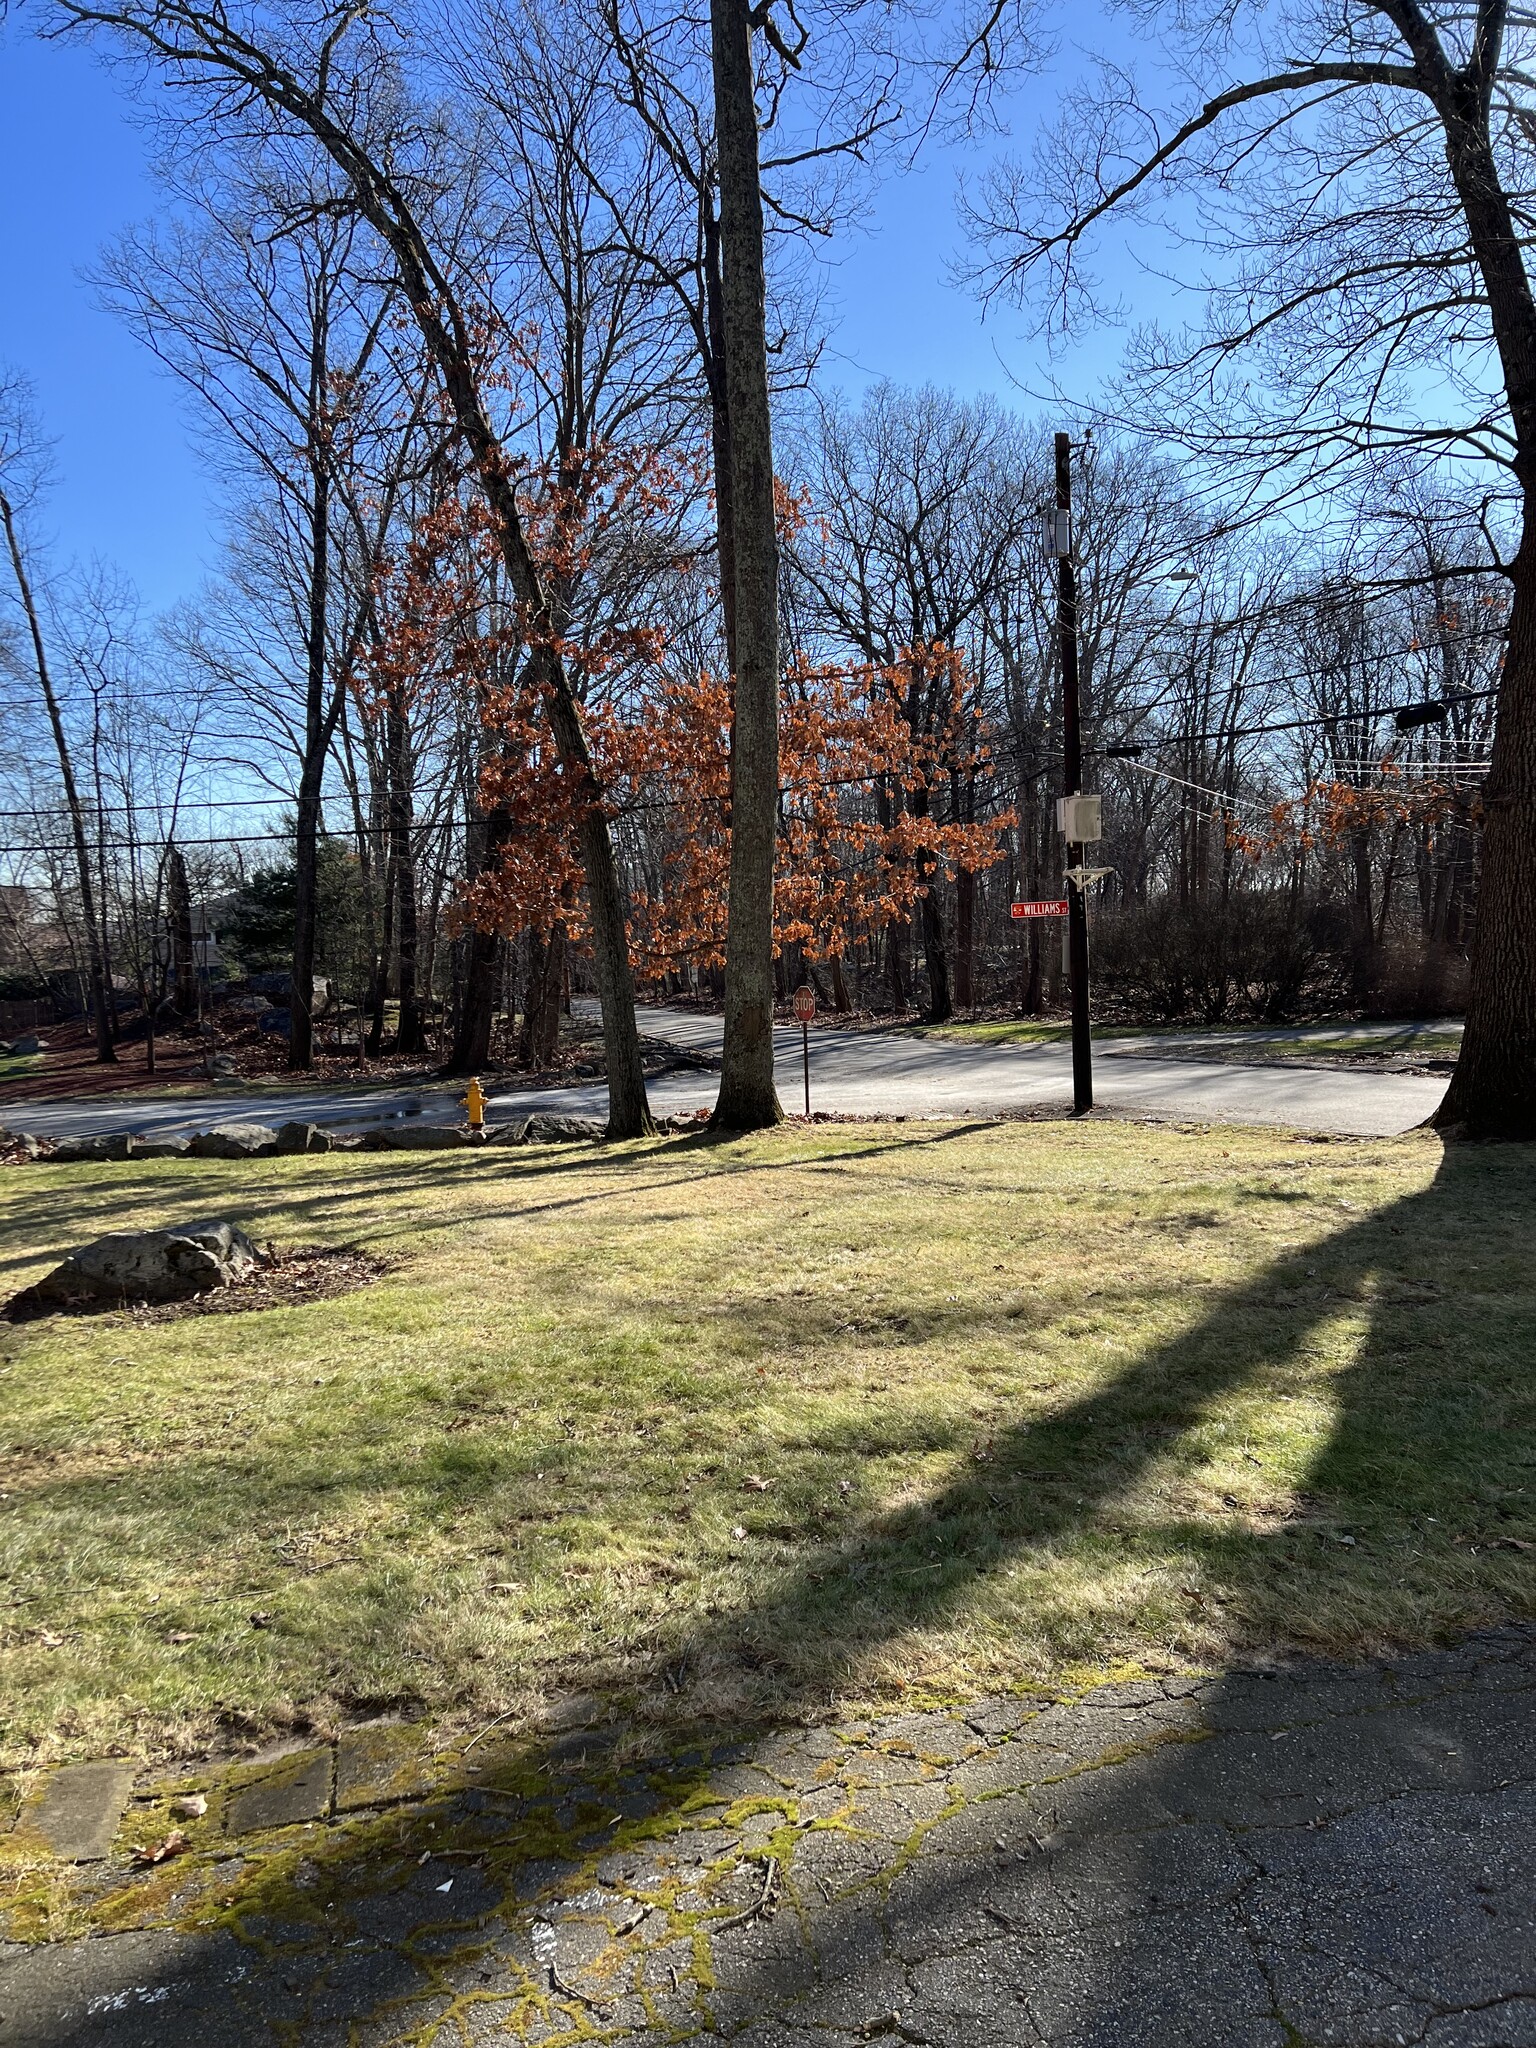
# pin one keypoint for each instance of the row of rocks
(266, 1141)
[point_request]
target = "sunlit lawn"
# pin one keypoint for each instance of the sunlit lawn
(841, 1415)
(1255, 1041)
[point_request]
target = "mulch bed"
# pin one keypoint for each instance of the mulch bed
(301, 1273)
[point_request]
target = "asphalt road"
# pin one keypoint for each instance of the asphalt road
(870, 1073)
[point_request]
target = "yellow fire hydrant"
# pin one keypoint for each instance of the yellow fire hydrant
(474, 1103)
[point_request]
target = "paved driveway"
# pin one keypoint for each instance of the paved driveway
(869, 1073)
(1262, 1859)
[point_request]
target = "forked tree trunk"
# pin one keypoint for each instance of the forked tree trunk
(747, 1099)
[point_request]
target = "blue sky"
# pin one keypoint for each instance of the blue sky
(131, 489)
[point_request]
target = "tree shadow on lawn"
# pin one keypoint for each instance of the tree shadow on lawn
(1417, 1432)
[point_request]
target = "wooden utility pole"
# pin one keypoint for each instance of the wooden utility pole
(1072, 750)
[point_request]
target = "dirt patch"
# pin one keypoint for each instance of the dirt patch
(289, 1278)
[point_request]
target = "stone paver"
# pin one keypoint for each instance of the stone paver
(1313, 1855)
(293, 1788)
(78, 1808)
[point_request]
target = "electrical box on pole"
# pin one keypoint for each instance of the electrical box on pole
(1081, 819)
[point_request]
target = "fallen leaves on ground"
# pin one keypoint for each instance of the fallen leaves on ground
(157, 1852)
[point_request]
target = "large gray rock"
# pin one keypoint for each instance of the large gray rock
(234, 1141)
(301, 1137)
(159, 1145)
(150, 1265)
(563, 1130)
(514, 1133)
(107, 1145)
(417, 1138)
(20, 1141)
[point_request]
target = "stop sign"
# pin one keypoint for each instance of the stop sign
(805, 1004)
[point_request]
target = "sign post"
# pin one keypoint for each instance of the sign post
(805, 1010)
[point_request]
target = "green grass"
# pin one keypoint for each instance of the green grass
(16, 1066)
(1033, 1399)
(1247, 1038)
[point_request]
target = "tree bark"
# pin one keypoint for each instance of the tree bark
(1493, 1090)
(482, 967)
(540, 1035)
(183, 962)
(317, 729)
(747, 1099)
(936, 958)
(95, 951)
(720, 429)
(965, 939)
(409, 1039)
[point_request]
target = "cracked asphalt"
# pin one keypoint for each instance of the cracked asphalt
(1270, 1858)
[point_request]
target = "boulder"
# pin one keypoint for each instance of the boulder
(28, 1043)
(514, 1133)
(159, 1145)
(234, 1141)
(74, 1151)
(416, 1138)
(148, 1265)
(302, 1137)
(20, 1141)
(563, 1130)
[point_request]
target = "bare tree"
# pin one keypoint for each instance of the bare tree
(22, 463)
(1367, 167)
(338, 83)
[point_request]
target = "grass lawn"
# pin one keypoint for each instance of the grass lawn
(1303, 1043)
(832, 1415)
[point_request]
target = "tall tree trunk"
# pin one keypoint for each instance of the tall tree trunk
(1493, 1090)
(1363, 950)
(408, 1039)
(935, 956)
(178, 899)
(95, 950)
(747, 1099)
(317, 730)
(378, 980)
(483, 964)
(720, 428)
(840, 1001)
(965, 938)
(540, 1035)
